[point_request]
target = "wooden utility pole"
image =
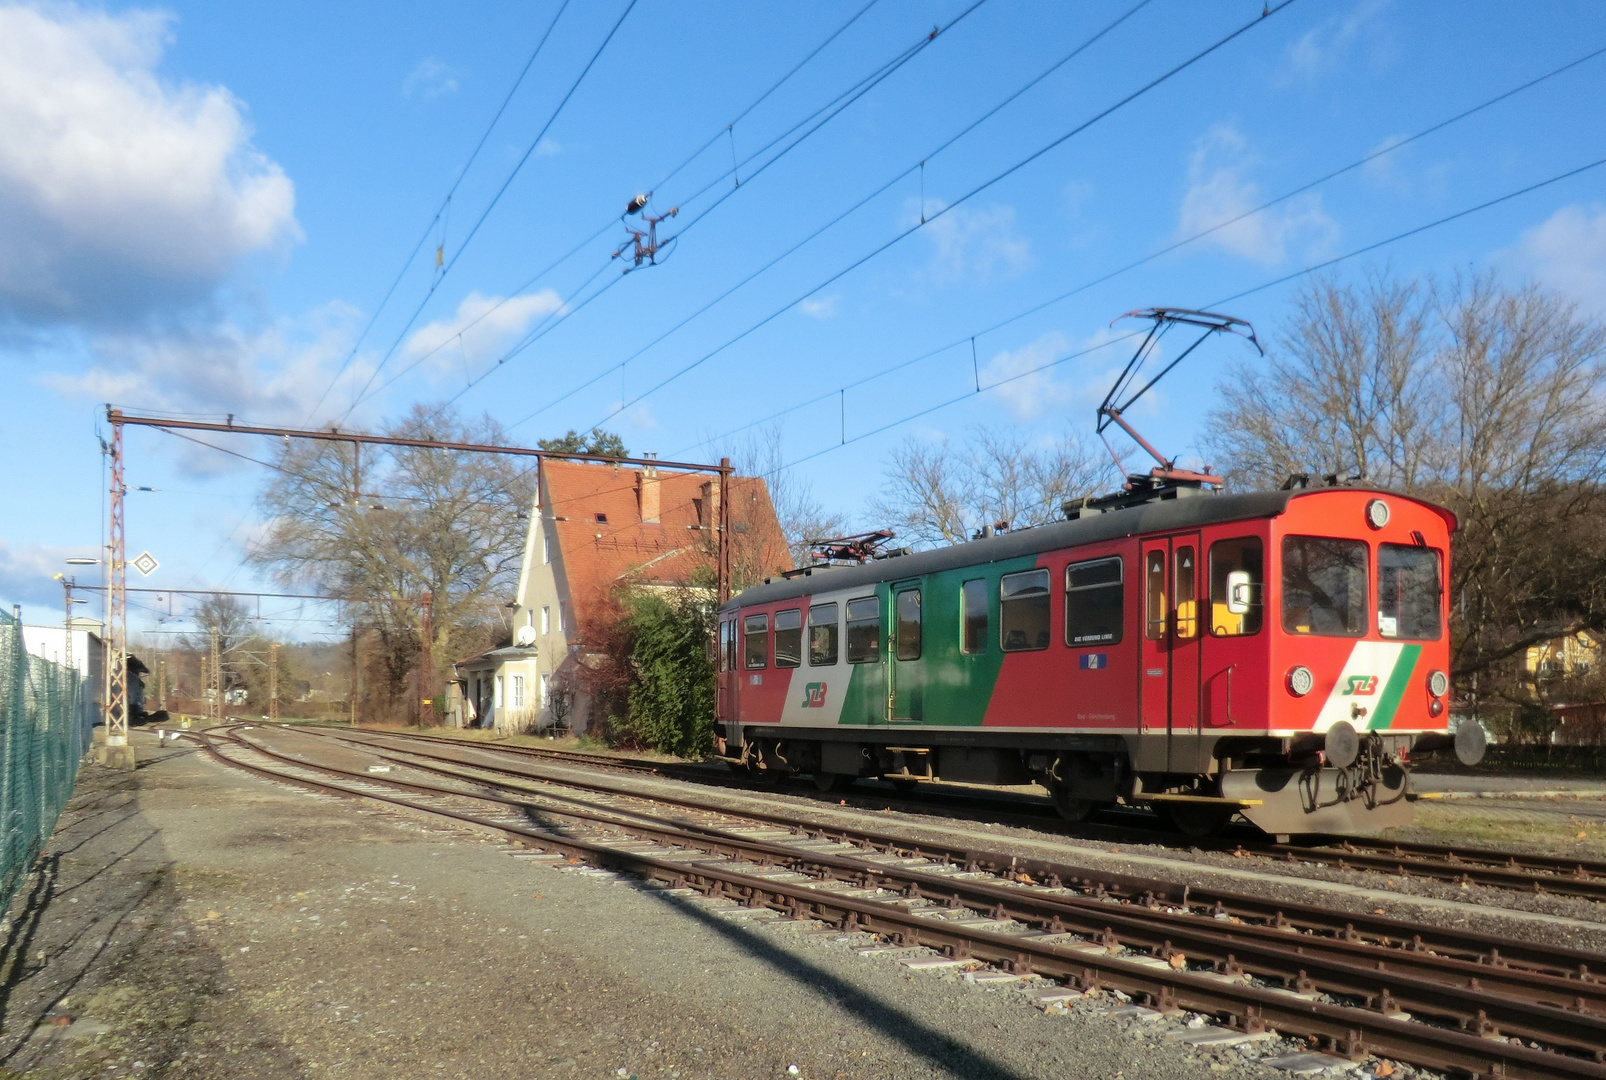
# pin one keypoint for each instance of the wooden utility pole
(214, 711)
(273, 680)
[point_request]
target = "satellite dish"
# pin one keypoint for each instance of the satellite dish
(524, 635)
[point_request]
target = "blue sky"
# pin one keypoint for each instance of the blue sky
(208, 202)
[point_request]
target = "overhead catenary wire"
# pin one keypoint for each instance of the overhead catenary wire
(818, 119)
(495, 199)
(1060, 140)
(1272, 283)
(865, 200)
(440, 211)
(1391, 147)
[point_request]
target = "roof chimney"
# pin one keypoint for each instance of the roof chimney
(647, 493)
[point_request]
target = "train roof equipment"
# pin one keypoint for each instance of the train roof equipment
(1165, 480)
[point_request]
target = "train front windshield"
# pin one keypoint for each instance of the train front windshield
(1325, 593)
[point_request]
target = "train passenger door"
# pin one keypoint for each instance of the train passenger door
(1169, 684)
(906, 675)
(726, 704)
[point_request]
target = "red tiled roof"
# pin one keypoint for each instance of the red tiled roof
(678, 549)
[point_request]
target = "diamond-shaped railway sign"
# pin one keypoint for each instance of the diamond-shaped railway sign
(145, 563)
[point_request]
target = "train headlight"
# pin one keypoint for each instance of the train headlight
(1301, 681)
(1377, 513)
(1438, 684)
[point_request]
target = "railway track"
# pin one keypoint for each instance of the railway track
(1386, 986)
(1545, 874)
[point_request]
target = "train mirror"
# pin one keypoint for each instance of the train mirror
(1238, 592)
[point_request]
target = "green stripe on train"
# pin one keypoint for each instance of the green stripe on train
(1394, 690)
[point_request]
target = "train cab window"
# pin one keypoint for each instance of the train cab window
(789, 637)
(908, 609)
(1324, 586)
(864, 630)
(1237, 584)
(1187, 589)
(756, 641)
(1408, 592)
(1154, 610)
(973, 617)
(1093, 603)
(727, 639)
(1023, 611)
(822, 635)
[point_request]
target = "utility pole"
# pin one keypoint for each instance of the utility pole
(426, 667)
(356, 674)
(161, 684)
(273, 680)
(724, 548)
(116, 753)
(214, 711)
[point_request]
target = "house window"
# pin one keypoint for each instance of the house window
(789, 637)
(546, 547)
(546, 689)
(563, 618)
(496, 702)
(518, 691)
(756, 647)
(546, 619)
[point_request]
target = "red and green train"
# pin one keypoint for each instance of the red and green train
(1274, 654)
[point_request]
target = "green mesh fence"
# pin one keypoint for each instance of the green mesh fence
(45, 733)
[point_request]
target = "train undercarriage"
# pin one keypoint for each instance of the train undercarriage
(1342, 782)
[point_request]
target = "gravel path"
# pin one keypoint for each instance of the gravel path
(191, 921)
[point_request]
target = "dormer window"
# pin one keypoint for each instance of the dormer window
(602, 519)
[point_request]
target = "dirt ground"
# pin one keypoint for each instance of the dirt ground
(190, 921)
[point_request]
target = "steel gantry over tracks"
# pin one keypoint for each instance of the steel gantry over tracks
(118, 752)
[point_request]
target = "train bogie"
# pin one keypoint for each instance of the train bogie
(1273, 654)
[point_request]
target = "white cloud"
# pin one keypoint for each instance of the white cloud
(25, 576)
(430, 79)
(270, 375)
(548, 147)
(1028, 393)
(1218, 191)
(1321, 49)
(120, 193)
(1568, 253)
(972, 244)
(820, 307)
(481, 326)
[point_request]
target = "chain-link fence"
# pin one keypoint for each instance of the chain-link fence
(43, 734)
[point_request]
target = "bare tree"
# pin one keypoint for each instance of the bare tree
(1487, 399)
(802, 517)
(939, 493)
(398, 523)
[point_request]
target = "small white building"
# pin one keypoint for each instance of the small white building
(48, 642)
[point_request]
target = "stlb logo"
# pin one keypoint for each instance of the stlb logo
(814, 695)
(1361, 685)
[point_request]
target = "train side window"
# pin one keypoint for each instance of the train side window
(1154, 612)
(1023, 611)
(909, 624)
(789, 637)
(822, 635)
(725, 628)
(1186, 585)
(1324, 586)
(1408, 592)
(973, 616)
(864, 630)
(1237, 585)
(756, 647)
(1093, 603)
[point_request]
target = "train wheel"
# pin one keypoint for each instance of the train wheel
(1070, 808)
(1196, 820)
(831, 781)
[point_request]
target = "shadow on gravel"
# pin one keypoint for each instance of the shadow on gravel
(919, 1038)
